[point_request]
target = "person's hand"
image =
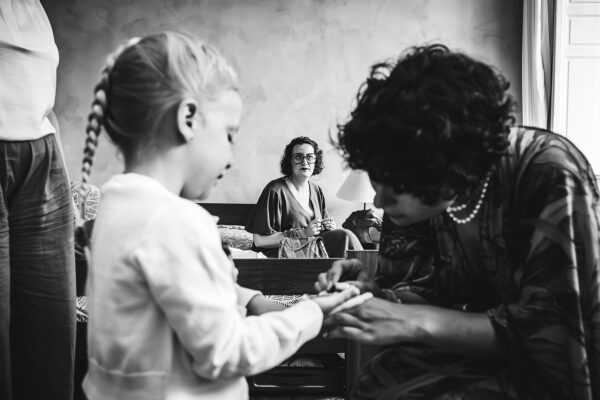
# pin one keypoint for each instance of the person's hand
(313, 228)
(330, 301)
(346, 269)
(347, 272)
(328, 224)
(376, 322)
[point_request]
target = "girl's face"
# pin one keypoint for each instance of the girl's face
(404, 209)
(217, 125)
(303, 161)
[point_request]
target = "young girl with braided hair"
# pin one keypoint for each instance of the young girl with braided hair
(163, 303)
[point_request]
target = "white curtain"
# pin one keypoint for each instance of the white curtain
(536, 63)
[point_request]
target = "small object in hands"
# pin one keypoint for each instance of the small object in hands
(311, 247)
(353, 302)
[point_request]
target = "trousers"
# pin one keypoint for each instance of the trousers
(37, 272)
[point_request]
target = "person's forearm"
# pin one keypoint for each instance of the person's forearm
(268, 241)
(275, 239)
(260, 305)
(464, 333)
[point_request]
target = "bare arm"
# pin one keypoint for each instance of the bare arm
(382, 322)
(268, 241)
(461, 332)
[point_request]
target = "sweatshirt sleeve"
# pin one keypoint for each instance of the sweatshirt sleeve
(244, 295)
(191, 280)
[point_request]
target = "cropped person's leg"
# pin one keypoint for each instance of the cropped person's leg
(5, 376)
(42, 275)
(337, 241)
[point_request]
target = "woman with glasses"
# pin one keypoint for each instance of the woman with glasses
(294, 206)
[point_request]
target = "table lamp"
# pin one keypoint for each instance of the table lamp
(357, 188)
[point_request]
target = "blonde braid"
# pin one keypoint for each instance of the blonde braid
(96, 118)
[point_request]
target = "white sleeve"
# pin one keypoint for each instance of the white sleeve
(244, 294)
(191, 279)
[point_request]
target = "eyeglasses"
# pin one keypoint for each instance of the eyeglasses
(298, 158)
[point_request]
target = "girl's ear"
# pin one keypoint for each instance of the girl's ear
(187, 118)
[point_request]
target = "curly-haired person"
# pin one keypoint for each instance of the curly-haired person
(488, 283)
(294, 206)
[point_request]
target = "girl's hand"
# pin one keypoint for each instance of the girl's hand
(331, 301)
(328, 224)
(364, 284)
(376, 322)
(313, 228)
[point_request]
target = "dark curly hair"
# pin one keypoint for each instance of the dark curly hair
(432, 124)
(286, 159)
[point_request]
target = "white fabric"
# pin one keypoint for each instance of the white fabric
(163, 320)
(237, 253)
(28, 62)
(535, 103)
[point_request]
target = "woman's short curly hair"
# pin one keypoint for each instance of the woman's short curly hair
(286, 159)
(432, 123)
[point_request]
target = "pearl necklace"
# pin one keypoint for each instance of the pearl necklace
(468, 218)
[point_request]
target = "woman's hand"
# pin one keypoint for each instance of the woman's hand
(313, 228)
(328, 224)
(347, 269)
(376, 322)
(353, 272)
(382, 322)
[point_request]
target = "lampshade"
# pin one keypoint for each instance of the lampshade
(357, 187)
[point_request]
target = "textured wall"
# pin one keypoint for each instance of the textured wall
(300, 63)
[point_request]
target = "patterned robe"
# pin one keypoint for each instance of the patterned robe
(538, 282)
